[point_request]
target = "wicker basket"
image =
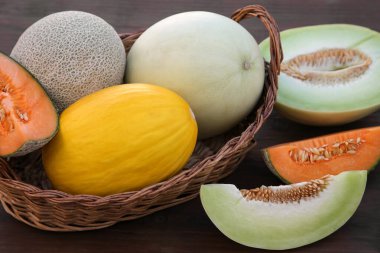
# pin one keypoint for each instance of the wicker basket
(26, 194)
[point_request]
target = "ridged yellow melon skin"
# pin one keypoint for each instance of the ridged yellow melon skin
(120, 139)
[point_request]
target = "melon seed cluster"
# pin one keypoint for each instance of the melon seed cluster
(325, 152)
(17, 98)
(352, 63)
(291, 194)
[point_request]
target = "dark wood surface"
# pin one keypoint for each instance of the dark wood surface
(186, 228)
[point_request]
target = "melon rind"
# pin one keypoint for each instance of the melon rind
(72, 54)
(270, 166)
(284, 226)
(328, 105)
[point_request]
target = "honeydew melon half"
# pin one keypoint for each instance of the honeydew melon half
(330, 74)
(284, 217)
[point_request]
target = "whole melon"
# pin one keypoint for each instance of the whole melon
(209, 59)
(120, 139)
(72, 54)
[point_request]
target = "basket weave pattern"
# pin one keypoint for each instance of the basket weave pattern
(25, 192)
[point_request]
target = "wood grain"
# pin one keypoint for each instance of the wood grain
(186, 228)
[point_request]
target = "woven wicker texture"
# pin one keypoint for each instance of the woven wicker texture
(26, 194)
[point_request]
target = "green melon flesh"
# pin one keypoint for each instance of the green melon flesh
(328, 103)
(287, 225)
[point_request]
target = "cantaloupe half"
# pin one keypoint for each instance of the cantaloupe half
(331, 154)
(28, 119)
(330, 74)
(284, 217)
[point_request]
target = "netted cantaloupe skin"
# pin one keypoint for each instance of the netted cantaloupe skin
(72, 54)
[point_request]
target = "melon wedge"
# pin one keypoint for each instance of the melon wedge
(28, 118)
(279, 222)
(330, 74)
(330, 154)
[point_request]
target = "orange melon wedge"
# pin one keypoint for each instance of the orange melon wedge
(28, 118)
(325, 155)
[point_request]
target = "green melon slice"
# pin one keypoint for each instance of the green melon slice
(330, 74)
(284, 217)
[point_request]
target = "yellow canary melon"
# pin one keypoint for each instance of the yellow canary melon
(119, 139)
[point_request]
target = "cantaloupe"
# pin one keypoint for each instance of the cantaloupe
(325, 155)
(119, 139)
(72, 54)
(28, 118)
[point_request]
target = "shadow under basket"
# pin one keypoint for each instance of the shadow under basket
(26, 194)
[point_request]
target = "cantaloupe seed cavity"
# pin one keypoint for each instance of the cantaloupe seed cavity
(11, 105)
(328, 66)
(287, 194)
(325, 152)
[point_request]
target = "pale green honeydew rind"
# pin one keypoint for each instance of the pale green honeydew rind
(283, 226)
(201, 56)
(362, 93)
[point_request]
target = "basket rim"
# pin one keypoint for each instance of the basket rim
(32, 190)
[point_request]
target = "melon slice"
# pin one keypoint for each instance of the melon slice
(284, 217)
(331, 154)
(28, 118)
(330, 74)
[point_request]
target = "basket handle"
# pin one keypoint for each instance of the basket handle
(273, 69)
(269, 22)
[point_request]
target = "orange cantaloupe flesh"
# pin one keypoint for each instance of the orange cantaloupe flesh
(20, 92)
(365, 157)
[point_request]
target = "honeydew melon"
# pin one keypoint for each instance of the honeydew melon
(284, 217)
(330, 74)
(72, 54)
(208, 59)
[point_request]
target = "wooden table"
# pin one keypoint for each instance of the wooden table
(186, 228)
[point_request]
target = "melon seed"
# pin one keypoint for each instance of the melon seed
(295, 193)
(325, 152)
(16, 100)
(22, 116)
(2, 114)
(328, 66)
